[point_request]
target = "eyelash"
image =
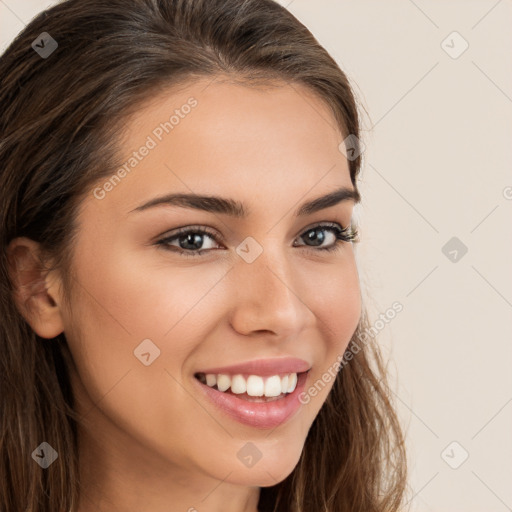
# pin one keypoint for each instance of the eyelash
(343, 234)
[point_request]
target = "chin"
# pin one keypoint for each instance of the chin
(259, 478)
(267, 471)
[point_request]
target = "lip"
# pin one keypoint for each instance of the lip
(263, 367)
(263, 415)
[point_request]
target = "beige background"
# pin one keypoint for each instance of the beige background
(436, 166)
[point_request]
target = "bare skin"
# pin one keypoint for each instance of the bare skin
(150, 442)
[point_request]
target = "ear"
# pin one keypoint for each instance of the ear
(37, 296)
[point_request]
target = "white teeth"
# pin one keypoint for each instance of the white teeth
(273, 386)
(238, 384)
(223, 382)
(292, 382)
(284, 384)
(254, 385)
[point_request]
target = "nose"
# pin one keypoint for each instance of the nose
(268, 297)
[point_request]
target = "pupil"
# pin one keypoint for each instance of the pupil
(194, 239)
(313, 236)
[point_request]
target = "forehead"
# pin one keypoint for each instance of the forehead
(253, 142)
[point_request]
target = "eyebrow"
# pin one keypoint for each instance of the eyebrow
(215, 204)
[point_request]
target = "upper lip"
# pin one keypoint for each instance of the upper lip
(263, 367)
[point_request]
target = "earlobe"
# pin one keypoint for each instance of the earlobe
(36, 293)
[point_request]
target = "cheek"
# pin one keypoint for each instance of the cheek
(337, 308)
(336, 303)
(123, 302)
(128, 296)
(344, 309)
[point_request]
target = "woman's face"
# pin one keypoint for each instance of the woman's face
(148, 318)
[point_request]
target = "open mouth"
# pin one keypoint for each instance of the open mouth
(252, 388)
(260, 401)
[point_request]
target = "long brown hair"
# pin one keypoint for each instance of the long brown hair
(61, 116)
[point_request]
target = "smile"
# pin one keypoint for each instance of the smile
(274, 386)
(254, 400)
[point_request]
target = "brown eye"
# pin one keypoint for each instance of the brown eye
(190, 241)
(341, 235)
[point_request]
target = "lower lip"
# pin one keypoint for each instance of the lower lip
(257, 414)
